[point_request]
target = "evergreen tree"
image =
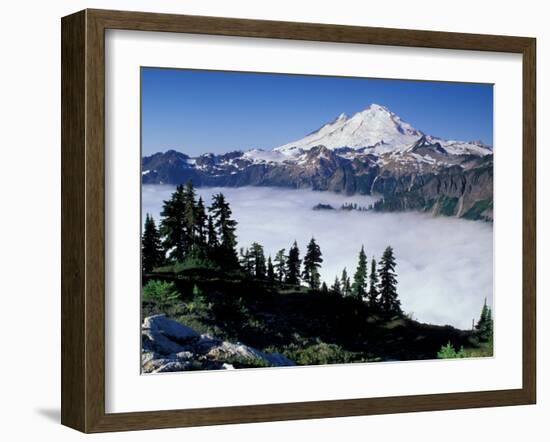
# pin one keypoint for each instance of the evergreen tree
(312, 263)
(372, 295)
(212, 236)
(388, 284)
(280, 265)
(152, 254)
(293, 263)
(336, 287)
(247, 261)
(225, 229)
(324, 288)
(172, 226)
(258, 258)
(484, 326)
(190, 214)
(270, 270)
(359, 286)
(201, 223)
(346, 283)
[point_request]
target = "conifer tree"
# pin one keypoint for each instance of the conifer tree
(359, 286)
(336, 287)
(201, 223)
(346, 283)
(293, 263)
(280, 265)
(247, 261)
(324, 288)
(270, 270)
(172, 226)
(372, 295)
(190, 214)
(484, 326)
(388, 284)
(312, 263)
(225, 228)
(258, 258)
(212, 236)
(152, 254)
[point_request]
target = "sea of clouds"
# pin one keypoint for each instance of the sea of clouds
(444, 265)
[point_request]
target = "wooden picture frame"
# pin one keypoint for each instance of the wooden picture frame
(83, 220)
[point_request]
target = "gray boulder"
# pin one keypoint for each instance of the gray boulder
(169, 328)
(168, 346)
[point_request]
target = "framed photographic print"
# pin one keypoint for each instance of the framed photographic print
(269, 220)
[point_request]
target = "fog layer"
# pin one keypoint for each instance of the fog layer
(444, 265)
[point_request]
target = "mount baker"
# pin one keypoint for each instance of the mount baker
(373, 152)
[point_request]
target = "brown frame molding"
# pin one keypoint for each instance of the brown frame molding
(83, 216)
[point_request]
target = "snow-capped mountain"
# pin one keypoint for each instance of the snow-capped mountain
(377, 129)
(372, 152)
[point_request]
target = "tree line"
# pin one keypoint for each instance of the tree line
(189, 230)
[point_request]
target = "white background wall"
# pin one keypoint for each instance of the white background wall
(30, 215)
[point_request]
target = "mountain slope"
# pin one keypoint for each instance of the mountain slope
(372, 152)
(377, 129)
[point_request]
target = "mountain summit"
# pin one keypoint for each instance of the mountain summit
(378, 129)
(374, 126)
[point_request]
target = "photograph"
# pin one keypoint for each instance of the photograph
(368, 238)
(297, 220)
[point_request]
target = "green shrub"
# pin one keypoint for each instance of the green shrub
(161, 293)
(199, 305)
(319, 354)
(449, 352)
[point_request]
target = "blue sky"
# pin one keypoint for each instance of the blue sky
(197, 111)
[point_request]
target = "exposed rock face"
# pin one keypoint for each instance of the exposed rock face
(169, 346)
(451, 192)
(462, 186)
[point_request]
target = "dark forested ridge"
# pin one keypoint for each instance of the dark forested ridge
(459, 186)
(194, 272)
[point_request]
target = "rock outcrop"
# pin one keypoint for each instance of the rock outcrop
(169, 346)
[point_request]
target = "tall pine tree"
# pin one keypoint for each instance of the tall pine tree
(172, 226)
(372, 295)
(484, 326)
(226, 227)
(293, 263)
(190, 214)
(359, 286)
(312, 263)
(336, 287)
(280, 265)
(152, 253)
(258, 258)
(212, 236)
(201, 223)
(246, 261)
(346, 283)
(388, 284)
(270, 270)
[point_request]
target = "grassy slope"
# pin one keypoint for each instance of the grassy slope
(309, 327)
